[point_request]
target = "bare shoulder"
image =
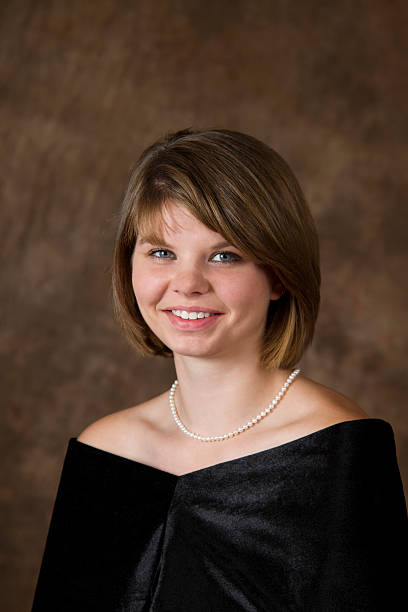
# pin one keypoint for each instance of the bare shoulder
(126, 432)
(322, 406)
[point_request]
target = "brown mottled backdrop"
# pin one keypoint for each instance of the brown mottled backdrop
(86, 86)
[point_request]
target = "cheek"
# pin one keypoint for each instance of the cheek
(250, 289)
(136, 282)
(146, 285)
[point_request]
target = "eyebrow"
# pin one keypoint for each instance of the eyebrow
(153, 241)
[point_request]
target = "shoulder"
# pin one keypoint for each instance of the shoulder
(310, 407)
(126, 432)
(318, 406)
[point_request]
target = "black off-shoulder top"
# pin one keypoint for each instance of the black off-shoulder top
(318, 524)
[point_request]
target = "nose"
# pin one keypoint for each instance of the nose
(190, 279)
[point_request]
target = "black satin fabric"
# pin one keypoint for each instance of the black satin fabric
(318, 524)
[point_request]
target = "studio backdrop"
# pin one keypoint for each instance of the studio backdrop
(85, 87)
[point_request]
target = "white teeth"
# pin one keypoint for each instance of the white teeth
(191, 315)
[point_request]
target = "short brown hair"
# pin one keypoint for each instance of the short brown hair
(241, 188)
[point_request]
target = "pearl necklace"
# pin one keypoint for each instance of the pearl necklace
(250, 423)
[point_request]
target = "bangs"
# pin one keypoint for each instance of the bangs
(150, 221)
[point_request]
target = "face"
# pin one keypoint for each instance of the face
(190, 270)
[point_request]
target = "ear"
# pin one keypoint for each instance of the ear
(277, 289)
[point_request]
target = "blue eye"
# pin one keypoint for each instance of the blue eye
(235, 258)
(151, 253)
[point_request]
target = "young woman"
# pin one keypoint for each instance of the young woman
(246, 486)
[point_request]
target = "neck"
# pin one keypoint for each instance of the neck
(214, 398)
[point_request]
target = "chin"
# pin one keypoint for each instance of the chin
(196, 350)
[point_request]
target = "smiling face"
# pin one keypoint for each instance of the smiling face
(188, 270)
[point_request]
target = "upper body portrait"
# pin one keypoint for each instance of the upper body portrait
(247, 486)
(217, 222)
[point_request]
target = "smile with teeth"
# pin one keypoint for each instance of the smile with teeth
(183, 314)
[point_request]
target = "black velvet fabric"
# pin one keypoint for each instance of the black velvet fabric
(318, 524)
